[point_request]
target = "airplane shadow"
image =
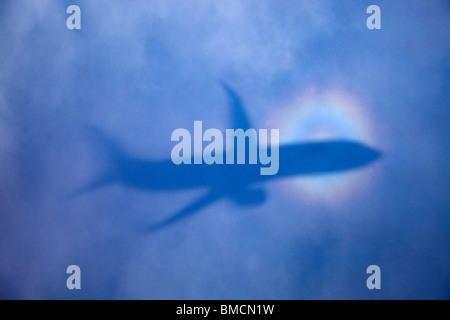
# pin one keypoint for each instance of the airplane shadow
(240, 182)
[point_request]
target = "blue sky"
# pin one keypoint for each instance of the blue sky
(137, 70)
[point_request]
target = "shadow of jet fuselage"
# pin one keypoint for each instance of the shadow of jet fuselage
(240, 182)
(295, 160)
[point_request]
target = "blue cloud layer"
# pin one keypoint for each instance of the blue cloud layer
(138, 70)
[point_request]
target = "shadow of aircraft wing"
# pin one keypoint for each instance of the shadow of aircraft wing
(188, 211)
(240, 119)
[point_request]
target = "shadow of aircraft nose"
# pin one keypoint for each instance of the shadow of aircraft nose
(373, 155)
(325, 157)
(357, 155)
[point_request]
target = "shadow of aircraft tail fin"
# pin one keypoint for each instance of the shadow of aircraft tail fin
(97, 183)
(110, 153)
(107, 146)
